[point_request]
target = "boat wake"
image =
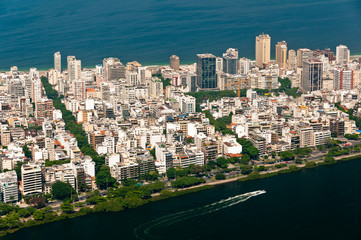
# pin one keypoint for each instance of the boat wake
(145, 231)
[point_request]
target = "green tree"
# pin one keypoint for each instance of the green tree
(38, 215)
(61, 190)
(104, 179)
(171, 173)
(183, 182)
(67, 207)
(222, 162)
(310, 164)
(298, 160)
(129, 182)
(27, 152)
(246, 169)
(287, 155)
(220, 176)
(329, 160)
(152, 152)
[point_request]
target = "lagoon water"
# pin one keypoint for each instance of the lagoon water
(149, 31)
(321, 203)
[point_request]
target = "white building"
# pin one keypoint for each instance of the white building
(31, 179)
(342, 55)
(9, 191)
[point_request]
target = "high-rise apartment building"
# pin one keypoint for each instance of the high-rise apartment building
(281, 54)
(9, 190)
(36, 90)
(342, 55)
(44, 110)
(16, 90)
(230, 61)
(68, 60)
(343, 79)
(57, 61)
(292, 59)
(263, 50)
(312, 75)
(113, 69)
(174, 62)
(303, 54)
(79, 90)
(306, 137)
(206, 71)
(156, 88)
(244, 66)
(74, 69)
(31, 179)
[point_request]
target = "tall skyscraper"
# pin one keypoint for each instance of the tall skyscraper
(292, 59)
(74, 70)
(36, 90)
(206, 71)
(68, 60)
(281, 54)
(303, 54)
(312, 75)
(230, 61)
(342, 55)
(219, 65)
(263, 50)
(79, 90)
(57, 61)
(174, 62)
(343, 79)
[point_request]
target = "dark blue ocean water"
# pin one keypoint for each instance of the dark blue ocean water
(314, 204)
(151, 30)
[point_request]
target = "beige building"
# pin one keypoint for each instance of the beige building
(5, 137)
(263, 50)
(174, 62)
(303, 54)
(281, 54)
(307, 137)
(292, 59)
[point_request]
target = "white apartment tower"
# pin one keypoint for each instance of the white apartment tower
(74, 70)
(31, 179)
(343, 79)
(342, 55)
(57, 61)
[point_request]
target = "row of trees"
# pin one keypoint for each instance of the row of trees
(183, 182)
(78, 132)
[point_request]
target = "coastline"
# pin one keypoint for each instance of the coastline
(179, 192)
(146, 64)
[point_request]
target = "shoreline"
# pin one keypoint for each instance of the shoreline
(147, 64)
(179, 192)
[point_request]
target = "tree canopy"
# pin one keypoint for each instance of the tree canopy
(62, 190)
(104, 179)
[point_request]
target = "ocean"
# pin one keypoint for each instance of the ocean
(150, 31)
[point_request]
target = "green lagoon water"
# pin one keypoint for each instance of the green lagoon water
(321, 203)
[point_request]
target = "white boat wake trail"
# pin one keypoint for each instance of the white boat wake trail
(144, 231)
